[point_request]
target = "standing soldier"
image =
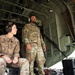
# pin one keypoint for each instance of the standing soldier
(35, 45)
(9, 51)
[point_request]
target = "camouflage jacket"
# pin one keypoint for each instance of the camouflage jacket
(31, 34)
(9, 47)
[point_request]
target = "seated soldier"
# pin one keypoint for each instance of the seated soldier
(9, 51)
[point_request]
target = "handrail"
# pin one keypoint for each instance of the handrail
(54, 44)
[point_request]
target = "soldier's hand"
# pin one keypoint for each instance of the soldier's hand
(44, 48)
(15, 60)
(7, 59)
(28, 47)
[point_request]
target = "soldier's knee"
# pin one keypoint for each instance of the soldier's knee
(2, 62)
(2, 71)
(2, 66)
(26, 62)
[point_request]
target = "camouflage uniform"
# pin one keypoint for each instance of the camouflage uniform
(10, 48)
(31, 34)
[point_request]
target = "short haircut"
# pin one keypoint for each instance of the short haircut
(9, 26)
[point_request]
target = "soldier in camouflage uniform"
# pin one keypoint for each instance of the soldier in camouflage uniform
(9, 51)
(35, 45)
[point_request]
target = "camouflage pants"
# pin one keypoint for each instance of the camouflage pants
(36, 54)
(23, 64)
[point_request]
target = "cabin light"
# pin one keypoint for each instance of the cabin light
(51, 10)
(48, 0)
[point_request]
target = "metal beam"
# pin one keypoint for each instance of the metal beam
(30, 10)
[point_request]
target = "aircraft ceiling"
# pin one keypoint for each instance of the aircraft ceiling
(52, 13)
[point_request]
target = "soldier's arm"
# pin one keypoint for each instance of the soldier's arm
(17, 49)
(4, 56)
(25, 33)
(25, 36)
(43, 44)
(42, 41)
(1, 53)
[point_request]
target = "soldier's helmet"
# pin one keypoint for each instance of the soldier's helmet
(33, 19)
